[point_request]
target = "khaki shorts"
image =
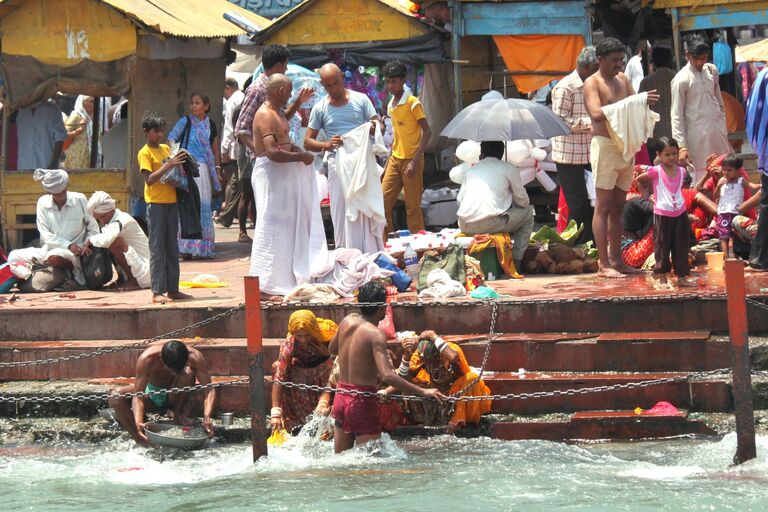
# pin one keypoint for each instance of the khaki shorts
(608, 165)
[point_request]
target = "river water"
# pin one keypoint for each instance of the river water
(440, 473)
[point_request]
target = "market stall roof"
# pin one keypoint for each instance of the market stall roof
(179, 18)
(352, 21)
(713, 14)
(755, 52)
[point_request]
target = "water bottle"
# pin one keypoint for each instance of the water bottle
(411, 260)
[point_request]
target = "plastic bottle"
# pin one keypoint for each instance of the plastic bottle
(411, 260)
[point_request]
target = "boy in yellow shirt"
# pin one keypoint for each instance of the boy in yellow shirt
(162, 212)
(405, 167)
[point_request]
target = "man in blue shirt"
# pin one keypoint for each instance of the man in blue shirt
(340, 112)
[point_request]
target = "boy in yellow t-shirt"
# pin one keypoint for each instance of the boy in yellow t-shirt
(405, 167)
(162, 213)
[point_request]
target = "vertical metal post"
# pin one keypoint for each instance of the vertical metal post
(675, 13)
(96, 124)
(458, 31)
(742, 380)
(588, 23)
(256, 367)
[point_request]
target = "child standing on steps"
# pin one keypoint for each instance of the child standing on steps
(730, 193)
(671, 230)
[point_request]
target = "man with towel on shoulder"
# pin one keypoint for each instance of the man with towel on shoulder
(122, 236)
(64, 225)
(611, 103)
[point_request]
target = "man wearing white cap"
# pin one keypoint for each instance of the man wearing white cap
(122, 236)
(64, 225)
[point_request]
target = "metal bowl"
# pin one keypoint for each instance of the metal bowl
(155, 434)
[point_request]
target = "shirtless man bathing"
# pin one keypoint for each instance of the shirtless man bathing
(363, 363)
(170, 365)
(612, 174)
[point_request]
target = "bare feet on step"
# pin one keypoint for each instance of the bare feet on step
(179, 296)
(159, 298)
(609, 273)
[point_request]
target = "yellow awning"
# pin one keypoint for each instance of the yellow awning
(187, 18)
(755, 52)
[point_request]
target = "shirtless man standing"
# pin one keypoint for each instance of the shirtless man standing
(287, 203)
(612, 174)
(170, 365)
(363, 363)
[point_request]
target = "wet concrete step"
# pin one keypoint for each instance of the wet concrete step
(603, 425)
(668, 351)
(705, 396)
(684, 311)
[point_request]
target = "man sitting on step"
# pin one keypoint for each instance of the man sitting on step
(160, 367)
(122, 236)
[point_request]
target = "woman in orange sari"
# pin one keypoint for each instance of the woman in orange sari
(304, 359)
(430, 361)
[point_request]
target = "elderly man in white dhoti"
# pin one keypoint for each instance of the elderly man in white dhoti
(289, 228)
(122, 236)
(698, 111)
(64, 225)
(357, 201)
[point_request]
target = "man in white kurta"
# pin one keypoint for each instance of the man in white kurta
(338, 115)
(289, 234)
(64, 225)
(698, 111)
(122, 236)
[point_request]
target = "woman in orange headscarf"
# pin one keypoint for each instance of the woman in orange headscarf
(304, 359)
(434, 363)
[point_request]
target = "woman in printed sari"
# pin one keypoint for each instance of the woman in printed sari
(198, 134)
(430, 361)
(79, 126)
(304, 359)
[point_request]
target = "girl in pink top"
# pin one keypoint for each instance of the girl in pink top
(671, 229)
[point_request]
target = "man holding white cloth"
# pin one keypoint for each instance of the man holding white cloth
(357, 202)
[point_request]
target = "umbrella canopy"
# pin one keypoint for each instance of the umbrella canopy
(510, 119)
(301, 77)
(755, 52)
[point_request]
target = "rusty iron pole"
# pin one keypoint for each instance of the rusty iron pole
(742, 380)
(255, 367)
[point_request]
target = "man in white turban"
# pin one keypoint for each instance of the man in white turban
(122, 236)
(64, 225)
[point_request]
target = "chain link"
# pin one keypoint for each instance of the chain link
(107, 396)
(119, 348)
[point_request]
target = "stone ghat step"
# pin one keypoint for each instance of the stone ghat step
(655, 351)
(705, 396)
(602, 425)
(651, 313)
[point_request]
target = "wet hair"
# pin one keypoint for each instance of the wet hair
(231, 83)
(661, 57)
(586, 58)
(687, 180)
(371, 292)
(665, 142)
(124, 111)
(733, 161)
(607, 46)
(492, 148)
(273, 55)
(248, 83)
(175, 355)
(152, 121)
(394, 69)
(696, 46)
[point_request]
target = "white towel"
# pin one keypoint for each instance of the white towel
(630, 123)
(441, 286)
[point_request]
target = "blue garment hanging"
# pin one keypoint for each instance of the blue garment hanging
(757, 120)
(722, 57)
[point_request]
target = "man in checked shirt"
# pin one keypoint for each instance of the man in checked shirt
(571, 152)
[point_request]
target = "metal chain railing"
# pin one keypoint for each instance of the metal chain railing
(761, 305)
(119, 348)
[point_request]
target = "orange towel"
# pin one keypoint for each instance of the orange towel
(503, 244)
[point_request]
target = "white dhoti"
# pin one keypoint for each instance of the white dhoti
(139, 267)
(357, 201)
(289, 233)
(32, 255)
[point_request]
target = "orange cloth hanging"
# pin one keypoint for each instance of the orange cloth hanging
(556, 53)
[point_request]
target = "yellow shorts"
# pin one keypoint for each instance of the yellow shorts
(609, 168)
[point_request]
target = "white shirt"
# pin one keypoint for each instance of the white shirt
(488, 189)
(124, 226)
(61, 228)
(634, 71)
(228, 141)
